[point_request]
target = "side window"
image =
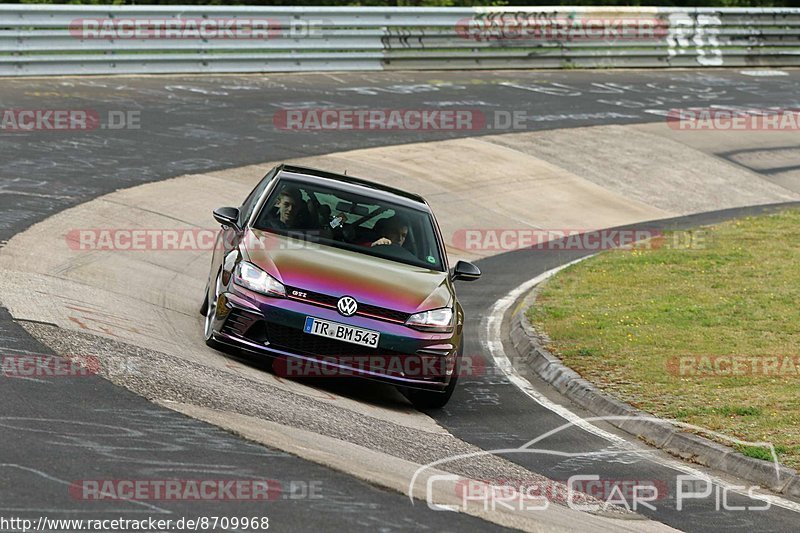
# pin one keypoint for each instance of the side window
(247, 207)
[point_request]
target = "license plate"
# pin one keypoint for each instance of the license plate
(342, 332)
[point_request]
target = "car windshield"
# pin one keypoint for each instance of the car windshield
(351, 221)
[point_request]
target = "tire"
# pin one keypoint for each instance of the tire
(209, 311)
(426, 399)
(204, 307)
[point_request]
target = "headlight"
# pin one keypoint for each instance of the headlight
(251, 277)
(437, 320)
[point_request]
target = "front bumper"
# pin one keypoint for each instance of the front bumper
(274, 327)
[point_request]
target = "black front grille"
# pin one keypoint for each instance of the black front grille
(318, 298)
(382, 312)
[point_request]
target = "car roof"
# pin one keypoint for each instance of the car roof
(355, 185)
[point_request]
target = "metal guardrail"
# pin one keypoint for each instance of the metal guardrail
(70, 39)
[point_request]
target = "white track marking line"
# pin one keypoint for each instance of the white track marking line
(493, 324)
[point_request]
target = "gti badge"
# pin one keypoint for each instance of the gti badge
(347, 306)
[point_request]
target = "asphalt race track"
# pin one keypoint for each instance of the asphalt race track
(55, 433)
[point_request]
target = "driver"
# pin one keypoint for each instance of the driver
(289, 204)
(393, 230)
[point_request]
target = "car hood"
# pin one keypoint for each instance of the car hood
(337, 272)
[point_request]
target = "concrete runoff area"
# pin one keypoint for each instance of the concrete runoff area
(108, 301)
(678, 177)
(774, 155)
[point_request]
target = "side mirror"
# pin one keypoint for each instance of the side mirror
(227, 216)
(465, 271)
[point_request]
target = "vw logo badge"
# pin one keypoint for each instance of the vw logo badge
(347, 306)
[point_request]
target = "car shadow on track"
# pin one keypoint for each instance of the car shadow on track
(358, 389)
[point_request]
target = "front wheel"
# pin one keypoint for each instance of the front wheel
(427, 399)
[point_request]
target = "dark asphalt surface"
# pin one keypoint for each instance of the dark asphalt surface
(198, 124)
